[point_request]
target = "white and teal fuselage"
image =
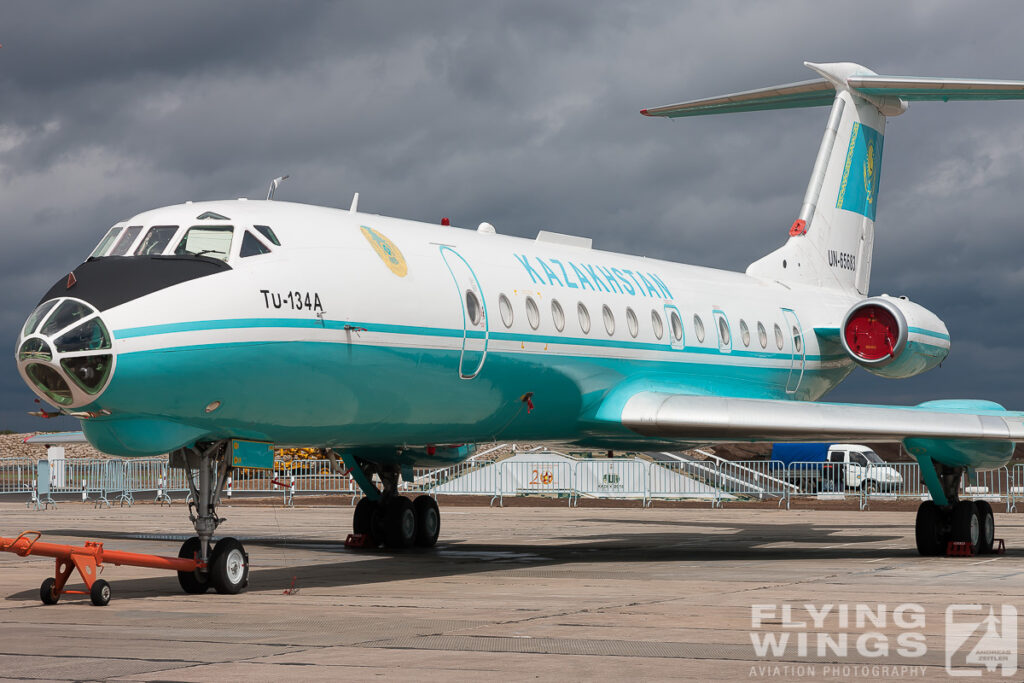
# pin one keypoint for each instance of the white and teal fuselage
(378, 359)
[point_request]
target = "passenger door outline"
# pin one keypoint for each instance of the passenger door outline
(474, 337)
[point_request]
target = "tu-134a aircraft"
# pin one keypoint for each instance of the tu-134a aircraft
(214, 330)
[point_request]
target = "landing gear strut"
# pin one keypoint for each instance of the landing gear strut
(224, 566)
(965, 521)
(389, 518)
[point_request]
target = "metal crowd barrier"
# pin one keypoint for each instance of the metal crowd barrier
(554, 478)
(106, 481)
(17, 476)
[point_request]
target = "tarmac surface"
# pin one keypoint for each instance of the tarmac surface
(520, 593)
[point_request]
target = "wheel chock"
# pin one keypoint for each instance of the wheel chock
(359, 541)
(88, 561)
(999, 547)
(959, 549)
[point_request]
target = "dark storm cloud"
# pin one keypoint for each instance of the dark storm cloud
(524, 114)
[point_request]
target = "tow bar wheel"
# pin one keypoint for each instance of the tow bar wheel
(100, 593)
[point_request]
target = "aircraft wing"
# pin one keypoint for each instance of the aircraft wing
(718, 419)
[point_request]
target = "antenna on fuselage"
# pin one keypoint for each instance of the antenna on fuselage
(355, 203)
(273, 185)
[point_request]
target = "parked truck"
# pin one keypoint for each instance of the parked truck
(835, 467)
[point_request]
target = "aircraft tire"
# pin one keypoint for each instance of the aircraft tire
(362, 518)
(929, 529)
(229, 566)
(100, 593)
(428, 521)
(400, 522)
(966, 523)
(192, 582)
(987, 535)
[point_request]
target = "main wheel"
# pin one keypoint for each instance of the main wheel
(929, 529)
(192, 582)
(362, 518)
(100, 593)
(229, 566)
(46, 593)
(966, 523)
(428, 521)
(987, 521)
(400, 522)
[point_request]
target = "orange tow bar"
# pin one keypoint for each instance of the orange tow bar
(87, 559)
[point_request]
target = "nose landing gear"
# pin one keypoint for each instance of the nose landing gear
(225, 566)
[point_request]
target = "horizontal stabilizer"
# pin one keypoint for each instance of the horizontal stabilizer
(941, 89)
(816, 93)
(852, 77)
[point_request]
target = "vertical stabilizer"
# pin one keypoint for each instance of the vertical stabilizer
(830, 243)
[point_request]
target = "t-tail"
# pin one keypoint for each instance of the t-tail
(831, 240)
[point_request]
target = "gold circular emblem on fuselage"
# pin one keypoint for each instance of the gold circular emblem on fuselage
(386, 249)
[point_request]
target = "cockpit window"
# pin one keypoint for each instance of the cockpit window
(214, 242)
(125, 243)
(89, 336)
(267, 232)
(36, 317)
(252, 246)
(69, 312)
(105, 243)
(156, 240)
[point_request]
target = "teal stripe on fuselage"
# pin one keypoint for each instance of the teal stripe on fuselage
(928, 333)
(242, 323)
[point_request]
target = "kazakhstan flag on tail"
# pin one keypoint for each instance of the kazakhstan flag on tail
(858, 191)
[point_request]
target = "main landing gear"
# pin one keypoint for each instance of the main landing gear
(223, 566)
(966, 521)
(391, 519)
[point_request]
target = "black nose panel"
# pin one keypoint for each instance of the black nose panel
(113, 280)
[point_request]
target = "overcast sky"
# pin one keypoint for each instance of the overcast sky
(524, 114)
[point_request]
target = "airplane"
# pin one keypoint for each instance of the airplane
(214, 331)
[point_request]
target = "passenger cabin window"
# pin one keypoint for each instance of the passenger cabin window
(267, 232)
(209, 241)
(125, 243)
(698, 327)
(505, 306)
(473, 308)
(778, 336)
(631, 323)
(156, 240)
(836, 456)
(659, 327)
(798, 342)
(858, 459)
(724, 338)
(762, 335)
(252, 246)
(609, 320)
(557, 315)
(677, 327)
(532, 312)
(744, 332)
(105, 243)
(584, 315)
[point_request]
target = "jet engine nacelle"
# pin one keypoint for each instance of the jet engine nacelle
(894, 337)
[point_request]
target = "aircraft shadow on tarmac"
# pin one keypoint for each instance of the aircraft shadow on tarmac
(716, 542)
